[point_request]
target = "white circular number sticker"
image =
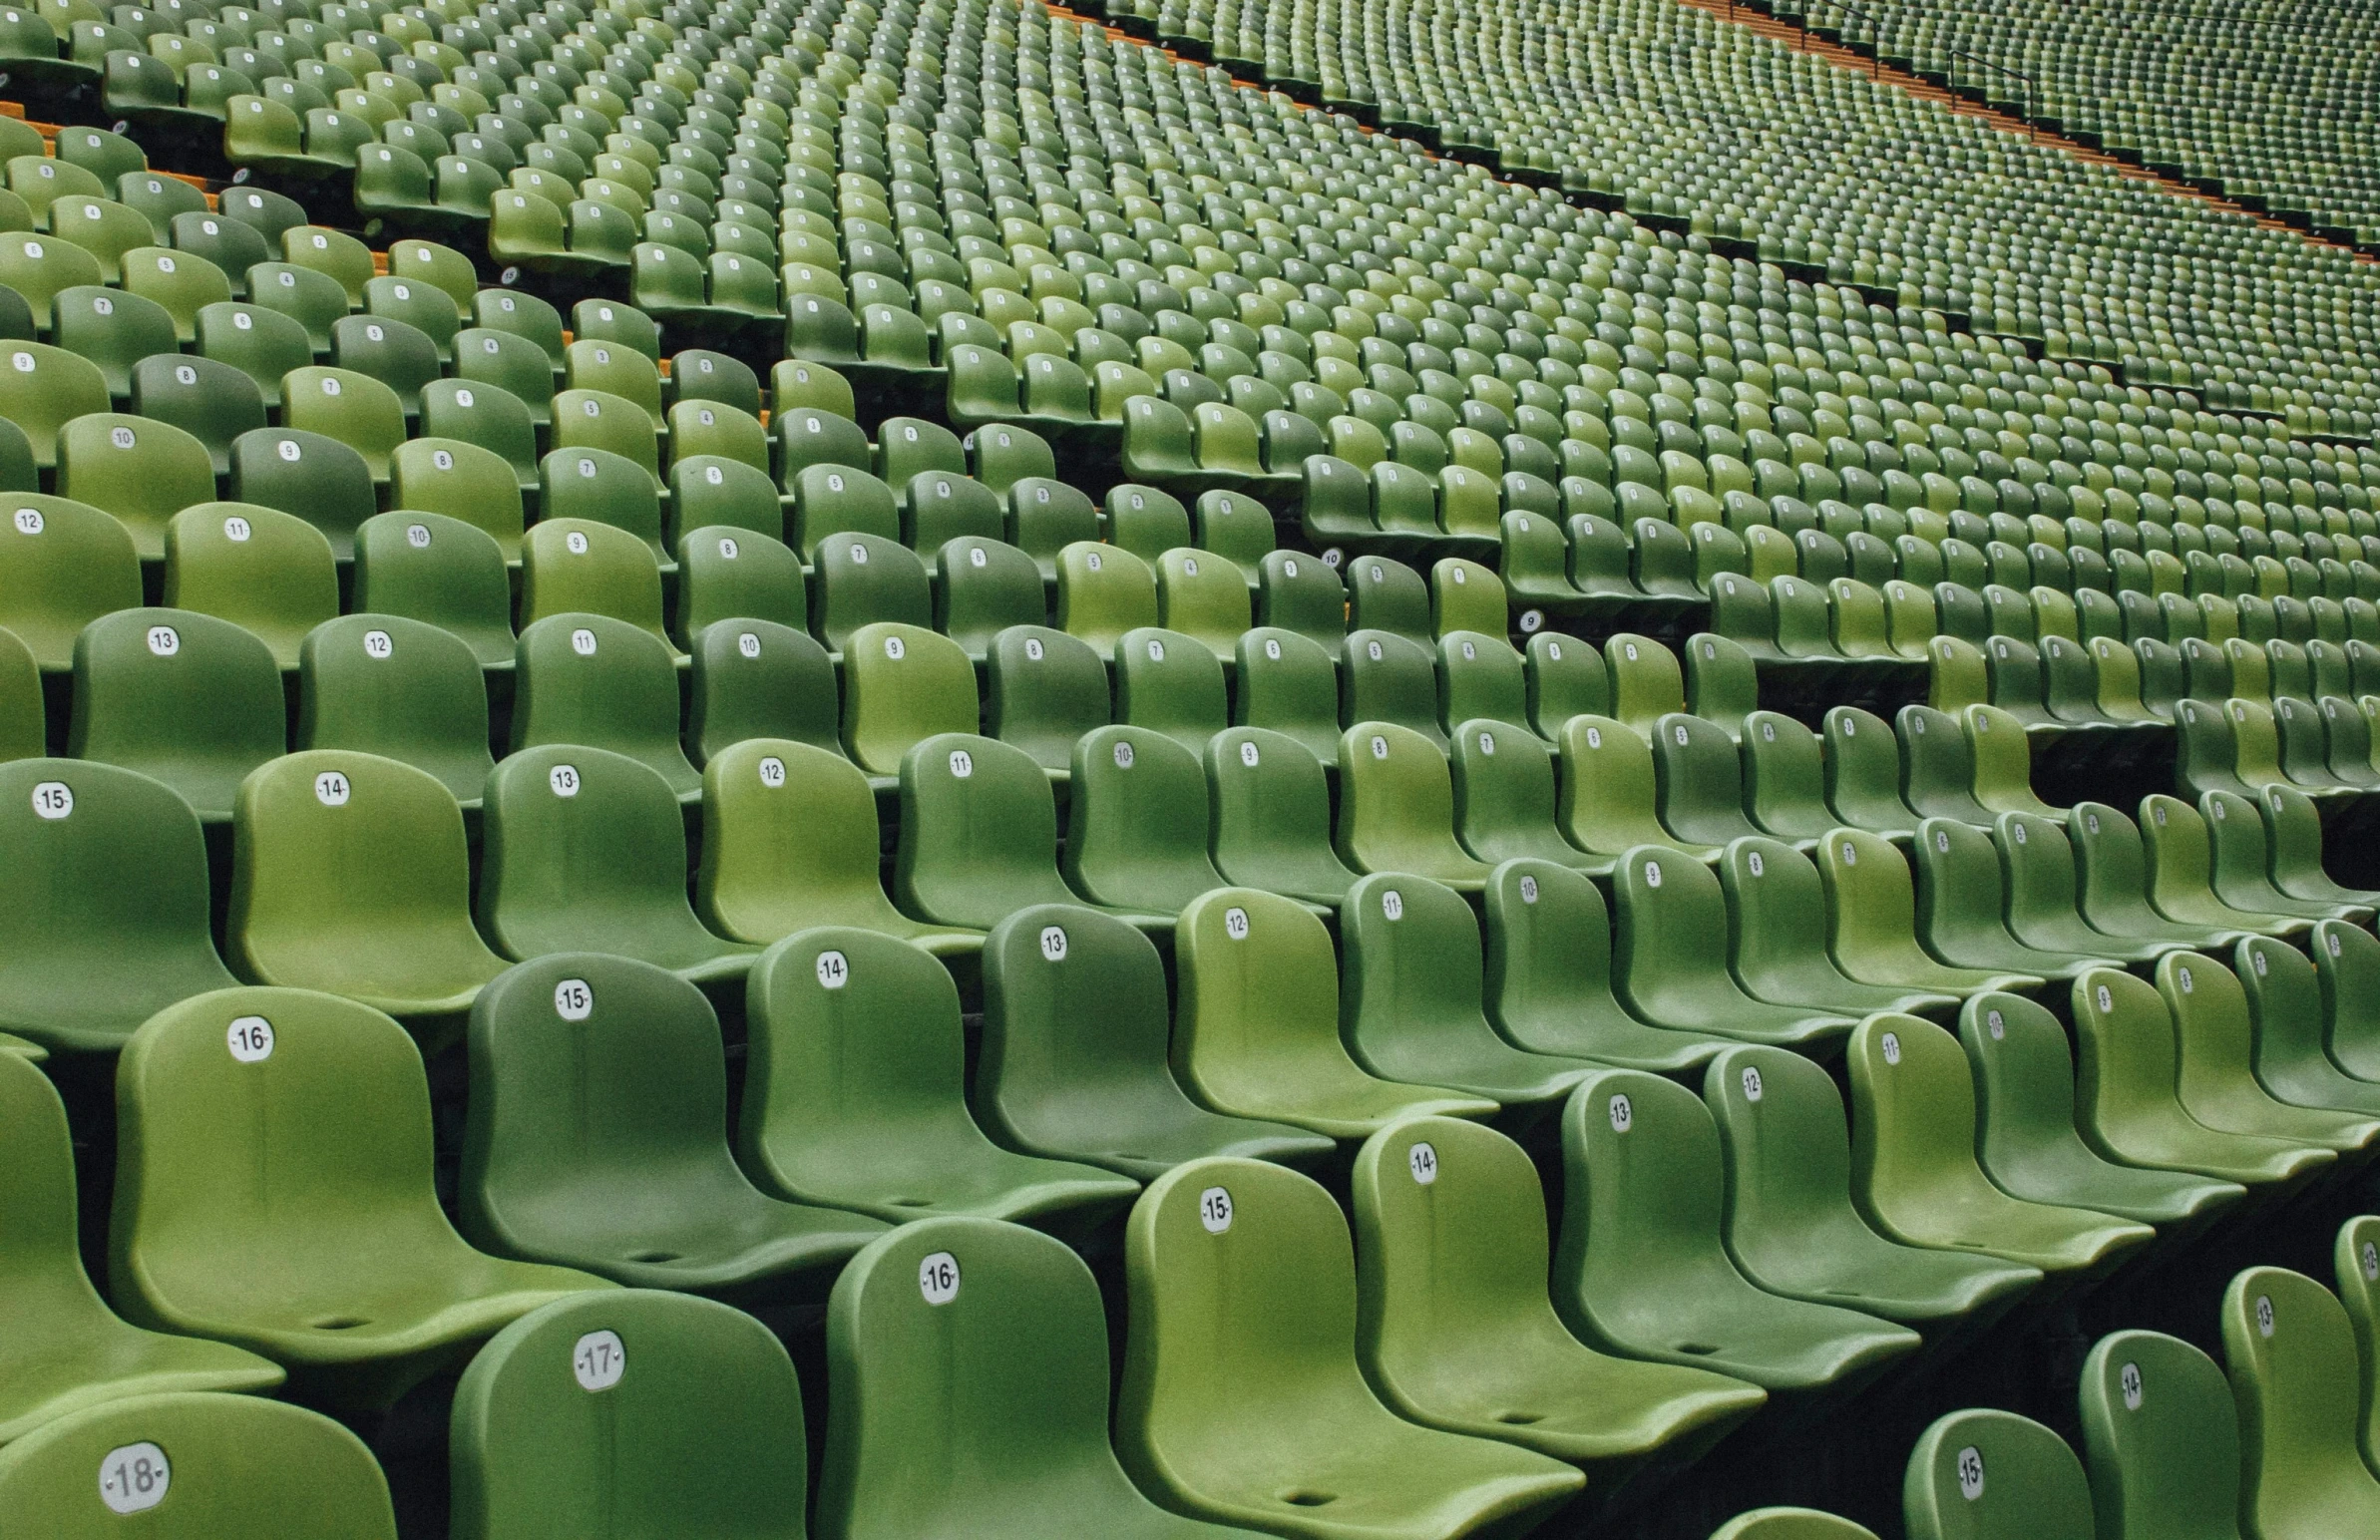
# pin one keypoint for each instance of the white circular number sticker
(1970, 1473)
(1247, 754)
(748, 643)
(576, 541)
(53, 800)
(832, 971)
(772, 772)
(2107, 1002)
(2130, 1378)
(1422, 1159)
(1995, 1023)
(597, 1361)
(1652, 873)
(2264, 1322)
(1053, 943)
(29, 520)
(1893, 1047)
(1214, 1210)
(938, 1277)
(418, 536)
(2371, 1263)
(1123, 756)
(564, 779)
(133, 1478)
(894, 648)
(332, 789)
(1379, 747)
(582, 643)
(1752, 1083)
(249, 1038)
(378, 644)
(1623, 1114)
(572, 1000)
(164, 640)
(962, 764)
(1235, 924)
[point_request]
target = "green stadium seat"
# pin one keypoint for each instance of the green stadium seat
(902, 684)
(378, 913)
(791, 843)
(583, 566)
(2288, 1347)
(1169, 683)
(1871, 922)
(601, 681)
(400, 689)
(1138, 822)
(1792, 1224)
(2127, 1103)
(1043, 689)
(236, 1462)
(72, 1352)
(984, 587)
(848, 1025)
(585, 852)
(1993, 1474)
(1777, 938)
(1396, 808)
(194, 702)
(269, 573)
(1914, 1172)
(1211, 1250)
(1272, 816)
(923, 1328)
(324, 1103)
(214, 402)
(2161, 1439)
(443, 572)
(578, 1053)
(113, 328)
(706, 1395)
(1049, 973)
(1640, 1268)
(66, 564)
(140, 471)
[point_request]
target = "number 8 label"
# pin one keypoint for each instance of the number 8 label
(133, 1478)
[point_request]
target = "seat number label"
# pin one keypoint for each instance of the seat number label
(597, 1361)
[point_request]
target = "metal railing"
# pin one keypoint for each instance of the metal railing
(1875, 53)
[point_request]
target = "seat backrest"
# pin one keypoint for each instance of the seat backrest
(594, 679)
(1993, 1475)
(850, 1030)
(193, 1463)
(979, 832)
(2160, 1437)
(1646, 681)
(1043, 689)
(1411, 973)
(188, 698)
(2289, 1351)
(570, 832)
(979, 1347)
(1170, 684)
(397, 687)
(1642, 1188)
(1396, 804)
(63, 564)
(755, 678)
(2347, 961)
(268, 571)
(1137, 821)
(1452, 1249)
(637, 1407)
(790, 841)
(1788, 1154)
(1385, 678)
(270, 1121)
(1251, 1263)
(903, 684)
